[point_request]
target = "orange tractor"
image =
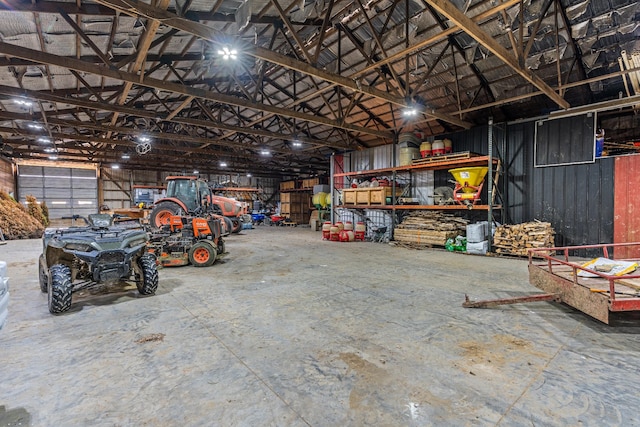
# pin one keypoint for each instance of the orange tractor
(188, 195)
(187, 240)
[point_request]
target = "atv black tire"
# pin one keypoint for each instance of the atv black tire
(148, 283)
(161, 213)
(202, 254)
(42, 275)
(237, 225)
(60, 289)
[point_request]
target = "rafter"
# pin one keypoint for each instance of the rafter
(141, 113)
(134, 7)
(46, 58)
(471, 28)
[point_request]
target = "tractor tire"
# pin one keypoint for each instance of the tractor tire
(202, 254)
(42, 275)
(221, 246)
(60, 289)
(237, 225)
(228, 225)
(148, 283)
(161, 213)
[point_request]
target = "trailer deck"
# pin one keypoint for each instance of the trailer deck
(596, 293)
(597, 287)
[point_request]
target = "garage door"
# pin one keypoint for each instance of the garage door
(66, 191)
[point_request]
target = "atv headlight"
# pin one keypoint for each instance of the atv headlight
(80, 247)
(137, 242)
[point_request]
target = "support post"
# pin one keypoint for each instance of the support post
(490, 187)
(393, 187)
(331, 185)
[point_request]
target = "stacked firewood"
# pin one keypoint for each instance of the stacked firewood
(429, 228)
(519, 238)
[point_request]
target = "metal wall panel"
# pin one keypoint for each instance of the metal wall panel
(383, 156)
(576, 199)
(565, 140)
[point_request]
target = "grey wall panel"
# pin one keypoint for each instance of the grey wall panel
(31, 181)
(565, 140)
(58, 182)
(50, 172)
(57, 193)
(84, 173)
(37, 192)
(30, 170)
(84, 193)
(85, 183)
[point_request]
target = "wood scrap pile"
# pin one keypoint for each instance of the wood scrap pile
(517, 239)
(429, 228)
(15, 221)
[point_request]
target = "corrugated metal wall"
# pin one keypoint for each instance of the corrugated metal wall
(576, 199)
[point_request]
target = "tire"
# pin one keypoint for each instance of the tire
(228, 225)
(161, 213)
(148, 284)
(60, 289)
(42, 276)
(221, 246)
(202, 254)
(237, 225)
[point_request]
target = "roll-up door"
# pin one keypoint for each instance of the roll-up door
(66, 191)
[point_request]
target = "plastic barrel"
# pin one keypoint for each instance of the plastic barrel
(448, 146)
(348, 226)
(425, 149)
(437, 148)
(326, 230)
(333, 233)
(407, 154)
(340, 225)
(360, 231)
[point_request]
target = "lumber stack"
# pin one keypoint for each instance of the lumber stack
(429, 228)
(517, 239)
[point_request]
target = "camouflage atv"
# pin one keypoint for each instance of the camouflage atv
(99, 253)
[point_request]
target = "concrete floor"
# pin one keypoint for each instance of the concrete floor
(290, 330)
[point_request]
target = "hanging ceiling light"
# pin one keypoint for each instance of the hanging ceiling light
(228, 53)
(23, 102)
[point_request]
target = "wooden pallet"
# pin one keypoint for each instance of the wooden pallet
(444, 158)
